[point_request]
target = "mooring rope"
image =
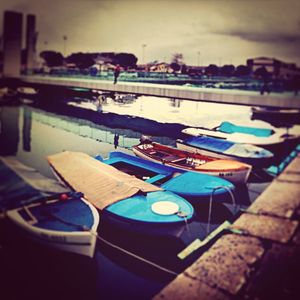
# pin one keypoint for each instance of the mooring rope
(211, 200)
(142, 259)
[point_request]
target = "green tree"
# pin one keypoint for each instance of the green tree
(242, 70)
(212, 70)
(125, 60)
(227, 70)
(52, 58)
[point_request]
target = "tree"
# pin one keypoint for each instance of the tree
(125, 60)
(227, 70)
(212, 70)
(242, 70)
(52, 58)
(261, 72)
(81, 60)
(177, 58)
(184, 69)
(175, 66)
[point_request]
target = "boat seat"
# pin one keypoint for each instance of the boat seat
(173, 159)
(156, 178)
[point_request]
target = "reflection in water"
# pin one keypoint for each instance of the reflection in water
(26, 128)
(9, 134)
(175, 102)
(125, 138)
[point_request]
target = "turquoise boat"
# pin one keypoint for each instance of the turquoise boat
(195, 187)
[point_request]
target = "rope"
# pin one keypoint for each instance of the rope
(211, 200)
(135, 256)
(85, 228)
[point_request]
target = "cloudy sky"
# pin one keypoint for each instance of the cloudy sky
(204, 31)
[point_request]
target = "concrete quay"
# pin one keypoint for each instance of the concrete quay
(238, 97)
(259, 258)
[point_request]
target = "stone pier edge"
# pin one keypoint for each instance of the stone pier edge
(258, 258)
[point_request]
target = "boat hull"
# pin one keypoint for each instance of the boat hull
(79, 242)
(234, 176)
(255, 162)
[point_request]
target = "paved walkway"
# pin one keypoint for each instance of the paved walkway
(259, 259)
(174, 91)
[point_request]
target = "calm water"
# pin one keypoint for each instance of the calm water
(32, 132)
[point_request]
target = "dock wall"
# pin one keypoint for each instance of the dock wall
(259, 259)
(238, 97)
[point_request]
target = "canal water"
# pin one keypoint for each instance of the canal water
(31, 132)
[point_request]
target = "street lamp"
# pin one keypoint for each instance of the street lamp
(143, 52)
(65, 41)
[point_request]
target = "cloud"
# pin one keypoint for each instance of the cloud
(265, 37)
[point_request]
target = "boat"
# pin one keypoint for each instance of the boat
(228, 131)
(276, 116)
(193, 186)
(42, 209)
(250, 154)
(137, 218)
(231, 170)
(116, 193)
(66, 222)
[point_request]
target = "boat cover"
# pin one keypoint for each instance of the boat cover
(228, 127)
(20, 183)
(209, 143)
(100, 183)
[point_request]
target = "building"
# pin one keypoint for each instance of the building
(161, 67)
(278, 69)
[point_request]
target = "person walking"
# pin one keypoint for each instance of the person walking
(116, 73)
(116, 140)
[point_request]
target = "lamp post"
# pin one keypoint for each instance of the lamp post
(143, 52)
(65, 38)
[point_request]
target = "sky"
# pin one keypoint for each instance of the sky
(203, 31)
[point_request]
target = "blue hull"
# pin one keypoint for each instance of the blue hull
(193, 186)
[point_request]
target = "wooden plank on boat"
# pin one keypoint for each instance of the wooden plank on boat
(100, 183)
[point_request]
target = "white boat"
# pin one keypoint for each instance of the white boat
(220, 148)
(68, 224)
(258, 136)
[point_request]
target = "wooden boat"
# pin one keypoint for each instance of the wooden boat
(66, 222)
(250, 154)
(242, 134)
(193, 186)
(234, 171)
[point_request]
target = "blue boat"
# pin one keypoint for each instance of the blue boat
(194, 187)
(250, 154)
(136, 216)
(120, 195)
(154, 208)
